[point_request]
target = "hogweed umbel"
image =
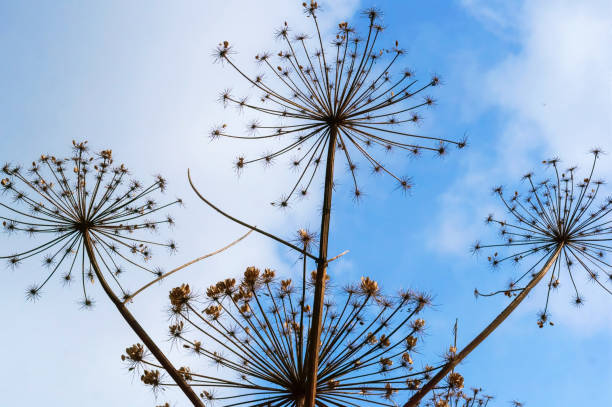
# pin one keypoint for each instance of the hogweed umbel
(459, 398)
(560, 214)
(257, 329)
(62, 198)
(92, 216)
(559, 225)
(335, 96)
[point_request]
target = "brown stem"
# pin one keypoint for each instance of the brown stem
(150, 283)
(238, 221)
(129, 318)
(314, 337)
(416, 398)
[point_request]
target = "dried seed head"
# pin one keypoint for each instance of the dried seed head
(556, 219)
(151, 378)
(317, 96)
(455, 381)
(369, 287)
(180, 296)
(252, 325)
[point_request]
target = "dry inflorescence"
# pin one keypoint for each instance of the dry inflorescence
(559, 225)
(257, 329)
(59, 200)
(459, 398)
(560, 215)
(329, 94)
(93, 217)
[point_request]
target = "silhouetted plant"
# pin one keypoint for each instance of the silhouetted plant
(460, 398)
(53, 201)
(564, 215)
(332, 97)
(559, 225)
(257, 328)
(341, 100)
(89, 215)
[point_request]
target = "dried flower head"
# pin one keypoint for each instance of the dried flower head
(333, 95)
(152, 378)
(61, 200)
(258, 329)
(452, 397)
(134, 357)
(558, 224)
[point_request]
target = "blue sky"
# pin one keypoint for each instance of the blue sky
(525, 80)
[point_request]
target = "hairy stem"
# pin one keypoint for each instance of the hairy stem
(142, 334)
(430, 385)
(314, 336)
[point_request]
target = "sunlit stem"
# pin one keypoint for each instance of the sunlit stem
(430, 385)
(314, 337)
(131, 297)
(129, 318)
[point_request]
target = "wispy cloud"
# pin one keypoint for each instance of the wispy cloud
(558, 83)
(554, 95)
(137, 78)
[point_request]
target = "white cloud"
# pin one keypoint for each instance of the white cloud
(497, 15)
(137, 78)
(554, 93)
(559, 84)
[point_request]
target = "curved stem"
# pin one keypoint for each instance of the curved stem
(314, 336)
(149, 284)
(142, 334)
(238, 221)
(430, 385)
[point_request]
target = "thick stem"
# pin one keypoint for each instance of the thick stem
(129, 318)
(314, 337)
(416, 398)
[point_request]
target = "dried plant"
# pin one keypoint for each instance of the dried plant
(333, 95)
(90, 217)
(460, 398)
(328, 96)
(560, 218)
(63, 203)
(257, 329)
(558, 224)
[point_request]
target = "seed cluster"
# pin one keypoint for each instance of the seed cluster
(561, 213)
(65, 199)
(258, 327)
(340, 96)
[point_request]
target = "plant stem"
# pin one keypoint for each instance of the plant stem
(416, 398)
(314, 336)
(129, 318)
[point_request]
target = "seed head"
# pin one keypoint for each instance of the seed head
(93, 205)
(557, 218)
(345, 99)
(251, 324)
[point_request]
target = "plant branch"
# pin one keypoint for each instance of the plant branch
(133, 323)
(238, 221)
(430, 385)
(131, 297)
(314, 337)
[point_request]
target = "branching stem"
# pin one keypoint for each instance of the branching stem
(142, 334)
(314, 336)
(430, 385)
